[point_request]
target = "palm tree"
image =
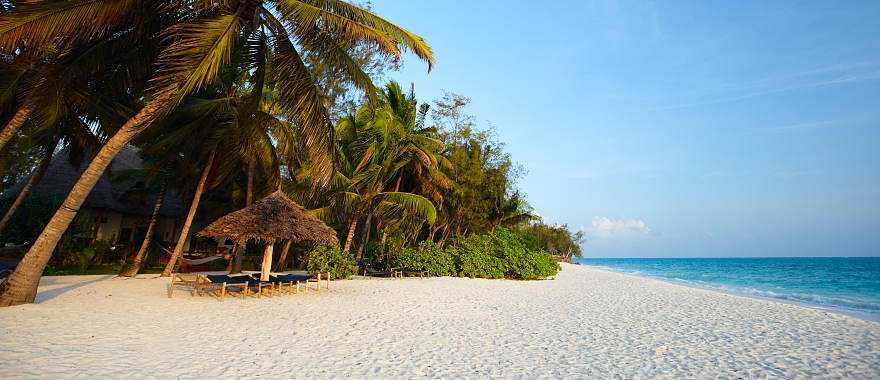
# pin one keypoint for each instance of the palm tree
(509, 211)
(194, 205)
(197, 41)
(134, 266)
(49, 151)
(374, 147)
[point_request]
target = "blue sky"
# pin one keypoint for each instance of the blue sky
(675, 128)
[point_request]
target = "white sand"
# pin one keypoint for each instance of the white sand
(588, 322)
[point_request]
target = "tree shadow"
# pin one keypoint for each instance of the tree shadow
(46, 295)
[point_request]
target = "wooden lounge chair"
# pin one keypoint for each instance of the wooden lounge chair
(271, 285)
(372, 272)
(290, 282)
(409, 271)
(222, 284)
(189, 282)
(317, 280)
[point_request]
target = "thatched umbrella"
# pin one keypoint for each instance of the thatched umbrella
(275, 217)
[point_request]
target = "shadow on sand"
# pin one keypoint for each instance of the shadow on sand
(46, 295)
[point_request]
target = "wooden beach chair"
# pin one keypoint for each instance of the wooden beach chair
(317, 280)
(401, 272)
(289, 283)
(372, 272)
(186, 281)
(222, 284)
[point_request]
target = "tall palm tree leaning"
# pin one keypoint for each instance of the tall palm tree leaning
(194, 48)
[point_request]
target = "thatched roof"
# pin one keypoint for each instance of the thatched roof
(275, 217)
(124, 195)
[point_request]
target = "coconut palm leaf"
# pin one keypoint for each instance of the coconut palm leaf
(416, 204)
(195, 57)
(43, 22)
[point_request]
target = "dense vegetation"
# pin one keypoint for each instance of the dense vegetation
(230, 101)
(497, 254)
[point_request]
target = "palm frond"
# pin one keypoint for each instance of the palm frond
(46, 21)
(195, 57)
(416, 204)
(302, 103)
(356, 21)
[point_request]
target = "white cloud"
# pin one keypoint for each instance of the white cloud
(603, 226)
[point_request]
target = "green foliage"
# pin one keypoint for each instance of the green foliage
(428, 256)
(473, 258)
(521, 261)
(101, 248)
(502, 253)
(31, 217)
(331, 259)
(85, 258)
(557, 240)
(499, 254)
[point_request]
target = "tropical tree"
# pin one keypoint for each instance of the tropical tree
(509, 211)
(49, 151)
(132, 267)
(376, 148)
(195, 40)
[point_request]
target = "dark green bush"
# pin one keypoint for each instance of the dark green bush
(473, 258)
(522, 262)
(428, 256)
(499, 254)
(331, 259)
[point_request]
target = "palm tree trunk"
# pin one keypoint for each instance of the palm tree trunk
(351, 227)
(445, 235)
(134, 266)
(21, 286)
(249, 196)
(33, 181)
(184, 231)
(238, 258)
(4, 163)
(366, 238)
(15, 123)
(285, 249)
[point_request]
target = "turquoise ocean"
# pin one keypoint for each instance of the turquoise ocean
(845, 284)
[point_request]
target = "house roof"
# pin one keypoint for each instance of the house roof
(124, 195)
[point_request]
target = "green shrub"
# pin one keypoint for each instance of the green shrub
(101, 248)
(85, 258)
(428, 256)
(501, 253)
(521, 261)
(331, 259)
(473, 258)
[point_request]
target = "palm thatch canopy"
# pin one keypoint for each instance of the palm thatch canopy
(275, 217)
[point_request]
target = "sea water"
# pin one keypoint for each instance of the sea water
(846, 284)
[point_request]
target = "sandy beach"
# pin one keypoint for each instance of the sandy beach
(587, 322)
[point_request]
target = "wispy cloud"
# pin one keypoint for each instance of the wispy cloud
(806, 125)
(604, 227)
(816, 84)
(816, 77)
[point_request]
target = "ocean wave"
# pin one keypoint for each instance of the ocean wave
(822, 301)
(868, 308)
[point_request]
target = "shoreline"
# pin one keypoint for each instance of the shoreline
(849, 313)
(586, 322)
